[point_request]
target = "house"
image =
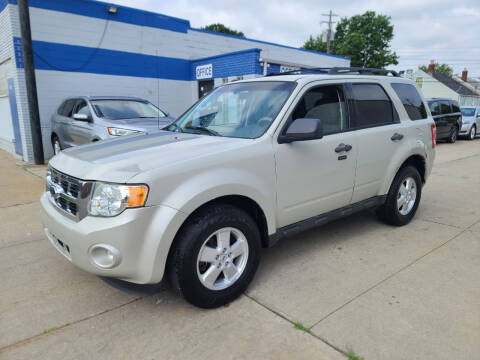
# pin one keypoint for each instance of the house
(435, 85)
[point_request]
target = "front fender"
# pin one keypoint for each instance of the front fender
(201, 188)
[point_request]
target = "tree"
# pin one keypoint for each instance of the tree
(220, 28)
(365, 39)
(441, 68)
(315, 43)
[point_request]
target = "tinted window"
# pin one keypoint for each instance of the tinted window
(372, 105)
(60, 108)
(434, 107)
(455, 107)
(411, 100)
(67, 108)
(325, 103)
(445, 107)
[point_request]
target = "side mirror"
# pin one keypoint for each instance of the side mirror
(81, 117)
(301, 130)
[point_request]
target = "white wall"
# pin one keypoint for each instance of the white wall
(433, 88)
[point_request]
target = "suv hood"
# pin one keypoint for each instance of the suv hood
(118, 160)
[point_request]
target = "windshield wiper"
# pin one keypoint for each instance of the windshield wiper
(202, 128)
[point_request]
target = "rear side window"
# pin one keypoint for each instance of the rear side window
(455, 107)
(372, 106)
(411, 100)
(445, 107)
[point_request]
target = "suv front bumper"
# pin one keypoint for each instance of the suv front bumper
(139, 240)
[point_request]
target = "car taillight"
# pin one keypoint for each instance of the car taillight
(434, 135)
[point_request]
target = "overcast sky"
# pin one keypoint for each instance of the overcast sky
(444, 30)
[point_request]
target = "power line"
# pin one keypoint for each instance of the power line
(330, 23)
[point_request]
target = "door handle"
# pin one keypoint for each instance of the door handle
(396, 137)
(343, 147)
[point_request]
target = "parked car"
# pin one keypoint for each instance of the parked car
(471, 121)
(250, 163)
(447, 116)
(83, 119)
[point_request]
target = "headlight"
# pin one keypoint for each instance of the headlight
(120, 132)
(112, 199)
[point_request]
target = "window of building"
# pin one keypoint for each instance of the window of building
(411, 100)
(372, 106)
(326, 103)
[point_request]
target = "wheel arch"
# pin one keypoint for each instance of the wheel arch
(415, 159)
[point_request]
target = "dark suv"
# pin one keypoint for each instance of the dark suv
(447, 116)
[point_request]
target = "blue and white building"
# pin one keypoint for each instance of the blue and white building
(85, 47)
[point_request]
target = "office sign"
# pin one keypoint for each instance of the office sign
(204, 71)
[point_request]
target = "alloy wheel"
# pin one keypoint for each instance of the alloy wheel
(222, 258)
(406, 196)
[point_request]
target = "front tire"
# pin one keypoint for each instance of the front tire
(452, 138)
(403, 197)
(215, 256)
(472, 133)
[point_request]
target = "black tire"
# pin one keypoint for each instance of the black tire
(452, 138)
(182, 264)
(388, 212)
(473, 132)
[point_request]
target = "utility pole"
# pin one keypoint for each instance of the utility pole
(35, 128)
(329, 31)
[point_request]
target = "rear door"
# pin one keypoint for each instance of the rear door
(81, 131)
(64, 122)
(378, 131)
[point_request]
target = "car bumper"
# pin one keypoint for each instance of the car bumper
(465, 129)
(138, 241)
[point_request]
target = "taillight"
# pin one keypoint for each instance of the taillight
(434, 135)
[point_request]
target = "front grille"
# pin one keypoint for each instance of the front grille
(64, 192)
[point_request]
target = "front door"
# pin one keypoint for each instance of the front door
(204, 87)
(316, 176)
(81, 130)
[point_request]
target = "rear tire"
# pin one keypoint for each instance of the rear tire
(213, 235)
(403, 197)
(452, 138)
(472, 133)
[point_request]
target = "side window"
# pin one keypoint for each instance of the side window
(434, 107)
(61, 107)
(82, 108)
(326, 103)
(68, 108)
(372, 106)
(445, 107)
(455, 107)
(411, 100)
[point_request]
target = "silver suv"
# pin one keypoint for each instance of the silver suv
(250, 163)
(84, 119)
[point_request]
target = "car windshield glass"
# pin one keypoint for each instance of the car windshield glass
(468, 111)
(241, 110)
(125, 109)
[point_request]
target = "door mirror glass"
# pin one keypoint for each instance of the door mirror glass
(301, 130)
(81, 117)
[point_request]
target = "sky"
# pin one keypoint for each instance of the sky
(442, 30)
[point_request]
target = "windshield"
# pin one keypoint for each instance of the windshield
(242, 110)
(468, 111)
(125, 109)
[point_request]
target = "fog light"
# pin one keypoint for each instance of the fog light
(105, 256)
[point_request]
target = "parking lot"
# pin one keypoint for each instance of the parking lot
(354, 286)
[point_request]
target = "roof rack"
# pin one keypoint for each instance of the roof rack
(342, 71)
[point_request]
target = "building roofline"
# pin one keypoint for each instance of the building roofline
(268, 43)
